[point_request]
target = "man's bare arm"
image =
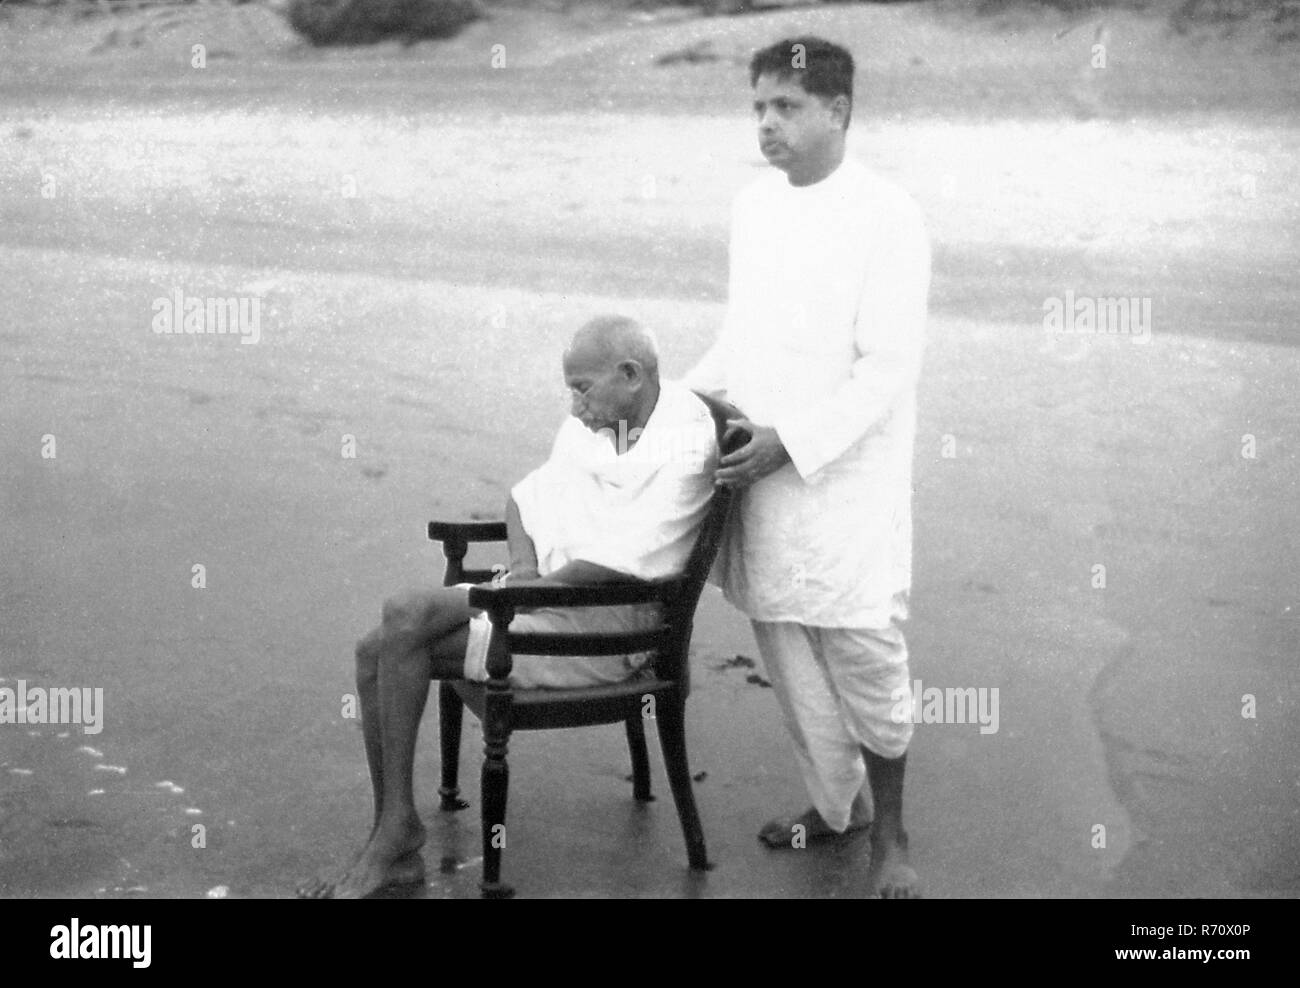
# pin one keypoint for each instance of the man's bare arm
(582, 572)
(523, 558)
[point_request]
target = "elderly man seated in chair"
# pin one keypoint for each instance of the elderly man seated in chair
(622, 497)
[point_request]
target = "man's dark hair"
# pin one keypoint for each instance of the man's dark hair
(822, 67)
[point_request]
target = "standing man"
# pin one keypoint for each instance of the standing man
(821, 350)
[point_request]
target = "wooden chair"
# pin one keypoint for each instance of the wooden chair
(504, 710)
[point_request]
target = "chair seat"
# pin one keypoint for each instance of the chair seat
(538, 709)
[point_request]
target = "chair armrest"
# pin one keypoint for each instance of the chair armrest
(523, 595)
(467, 531)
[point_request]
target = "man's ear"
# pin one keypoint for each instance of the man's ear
(841, 107)
(631, 371)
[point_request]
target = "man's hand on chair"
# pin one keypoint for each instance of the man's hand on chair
(762, 455)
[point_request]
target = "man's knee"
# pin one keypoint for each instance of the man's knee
(407, 613)
(368, 651)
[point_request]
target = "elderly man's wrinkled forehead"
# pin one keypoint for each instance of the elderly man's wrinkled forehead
(589, 354)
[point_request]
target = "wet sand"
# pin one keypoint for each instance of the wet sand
(424, 317)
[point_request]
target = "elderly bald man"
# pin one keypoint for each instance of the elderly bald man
(622, 495)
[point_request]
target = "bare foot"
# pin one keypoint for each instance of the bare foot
(781, 833)
(383, 863)
(375, 872)
(322, 886)
(408, 870)
(890, 875)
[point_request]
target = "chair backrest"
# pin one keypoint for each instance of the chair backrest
(673, 661)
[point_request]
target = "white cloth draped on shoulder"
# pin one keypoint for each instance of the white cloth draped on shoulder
(636, 511)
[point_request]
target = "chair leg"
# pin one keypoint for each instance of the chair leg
(672, 738)
(640, 759)
(450, 714)
(495, 786)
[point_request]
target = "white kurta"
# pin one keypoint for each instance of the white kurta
(638, 512)
(823, 340)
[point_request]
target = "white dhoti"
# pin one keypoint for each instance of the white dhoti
(840, 690)
(562, 672)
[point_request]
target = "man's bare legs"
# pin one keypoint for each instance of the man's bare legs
(890, 875)
(423, 635)
(367, 679)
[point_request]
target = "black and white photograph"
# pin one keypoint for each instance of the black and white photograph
(650, 450)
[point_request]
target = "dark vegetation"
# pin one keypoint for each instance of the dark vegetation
(359, 22)
(355, 22)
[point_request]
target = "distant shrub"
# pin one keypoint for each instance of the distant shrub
(1070, 6)
(360, 22)
(1185, 16)
(1224, 11)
